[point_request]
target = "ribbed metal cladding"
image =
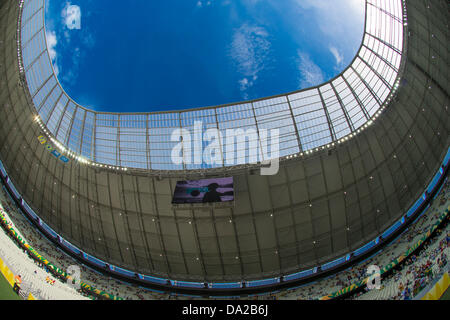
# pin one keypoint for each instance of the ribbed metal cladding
(317, 208)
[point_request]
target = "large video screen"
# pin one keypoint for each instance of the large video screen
(204, 191)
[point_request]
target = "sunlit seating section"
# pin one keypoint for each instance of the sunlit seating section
(310, 291)
(35, 280)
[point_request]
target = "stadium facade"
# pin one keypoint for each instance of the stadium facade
(357, 154)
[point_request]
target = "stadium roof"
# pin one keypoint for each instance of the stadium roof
(322, 204)
(306, 120)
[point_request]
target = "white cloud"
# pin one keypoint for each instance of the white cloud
(47, 5)
(249, 49)
(71, 74)
(51, 46)
(245, 84)
(341, 23)
(71, 15)
(337, 55)
(56, 69)
(201, 3)
(340, 26)
(88, 39)
(336, 17)
(309, 73)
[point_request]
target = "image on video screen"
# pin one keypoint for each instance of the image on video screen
(204, 191)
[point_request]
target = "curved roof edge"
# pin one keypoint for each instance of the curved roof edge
(306, 120)
(38, 130)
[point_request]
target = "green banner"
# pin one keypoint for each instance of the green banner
(55, 270)
(392, 264)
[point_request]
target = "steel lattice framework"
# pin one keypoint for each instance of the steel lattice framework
(306, 120)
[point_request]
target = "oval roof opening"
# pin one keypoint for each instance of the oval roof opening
(156, 56)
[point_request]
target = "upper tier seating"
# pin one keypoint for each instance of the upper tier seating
(314, 290)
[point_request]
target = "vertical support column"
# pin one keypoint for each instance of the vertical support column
(347, 117)
(300, 147)
(330, 125)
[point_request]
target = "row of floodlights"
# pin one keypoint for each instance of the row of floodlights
(83, 160)
(19, 46)
(72, 154)
(405, 14)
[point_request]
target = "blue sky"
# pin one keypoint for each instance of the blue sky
(146, 55)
